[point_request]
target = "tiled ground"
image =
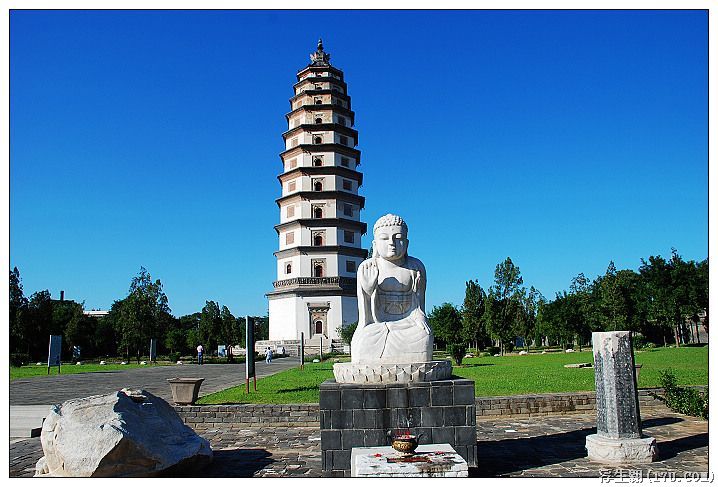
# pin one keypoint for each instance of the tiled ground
(548, 446)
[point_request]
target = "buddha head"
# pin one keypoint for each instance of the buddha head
(390, 237)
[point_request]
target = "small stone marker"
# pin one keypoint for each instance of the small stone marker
(439, 460)
(618, 439)
(577, 366)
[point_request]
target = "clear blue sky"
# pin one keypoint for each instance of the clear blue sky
(562, 139)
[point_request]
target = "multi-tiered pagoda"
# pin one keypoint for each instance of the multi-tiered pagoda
(320, 226)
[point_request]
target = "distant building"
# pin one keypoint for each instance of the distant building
(320, 227)
(96, 313)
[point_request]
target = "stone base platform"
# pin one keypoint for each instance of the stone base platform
(358, 373)
(428, 461)
(621, 451)
(360, 415)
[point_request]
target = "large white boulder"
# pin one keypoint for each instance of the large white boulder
(121, 434)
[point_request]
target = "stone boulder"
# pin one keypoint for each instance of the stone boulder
(121, 434)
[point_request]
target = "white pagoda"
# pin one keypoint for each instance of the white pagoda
(320, 225)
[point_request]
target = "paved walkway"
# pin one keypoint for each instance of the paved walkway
(30, 399)
(548, 446)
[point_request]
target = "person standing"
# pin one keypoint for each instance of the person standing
(200, 353)
(269, 355)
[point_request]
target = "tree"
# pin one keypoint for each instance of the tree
(503, 302)
(210, 324)
(138, 315)
(347, 332)
(472, 313)
(229, 331)
(445, 322)
(80, 331)
(176, 340)
(525, 324)
(39, 321)
(19, 331)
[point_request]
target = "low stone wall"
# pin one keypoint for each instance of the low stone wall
(204, 417)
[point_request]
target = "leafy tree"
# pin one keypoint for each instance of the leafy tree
(525, 324)
(504, 302)
(229, 331)
(39, 323)
(446, 324)
(176, 340)
(20, 333)
(139, 314)
(80, 331)
(210, 325)
(472, 314)
(347, 332)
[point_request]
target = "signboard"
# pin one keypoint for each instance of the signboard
(153, 350)
(249, 362)
(53, 353)
(221, 351)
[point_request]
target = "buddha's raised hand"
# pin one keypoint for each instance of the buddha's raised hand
(368, 276)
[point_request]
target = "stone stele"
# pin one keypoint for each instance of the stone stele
(619, 439)
(121, 434)
(393, 342)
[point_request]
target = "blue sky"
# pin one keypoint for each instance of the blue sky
(563, 139)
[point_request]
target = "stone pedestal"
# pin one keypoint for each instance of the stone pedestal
(429, 461)
(618, 439)
(360, 415)
(360, 373)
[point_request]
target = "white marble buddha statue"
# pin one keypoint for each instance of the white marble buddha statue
(391, 287)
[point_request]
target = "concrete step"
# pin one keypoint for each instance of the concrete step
(26, 421)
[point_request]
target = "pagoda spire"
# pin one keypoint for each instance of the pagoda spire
(319, 57)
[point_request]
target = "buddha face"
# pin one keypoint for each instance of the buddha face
(391, 242)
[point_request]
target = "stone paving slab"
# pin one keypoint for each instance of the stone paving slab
(54, 389)
(550, 446)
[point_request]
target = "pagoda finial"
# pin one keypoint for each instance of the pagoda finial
(319, 57)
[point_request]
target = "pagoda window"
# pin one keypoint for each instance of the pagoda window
(317, 139)
(294, 142)
(348, 236)
(318, 325)
(317, 160)
(318, 101)
(292, 186)
(289, 238)
(345, 161)
(317, 185)
(290, 211)
(348, 210)
(288, 269)
(347, 185)
(343, 140)
(318, 272)
(318, 241)
(292, 164)
(342, 121)
(318, 120)
(318, 212)
(351, 266)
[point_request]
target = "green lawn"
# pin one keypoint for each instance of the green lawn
(290, 386)
(494, 376)
(527, 374)
(37, 370)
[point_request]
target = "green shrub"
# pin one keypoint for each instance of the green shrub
(681, 399)
(457, 352)
(493, 350)
(174, 357)
(19, 359)
(347, 332)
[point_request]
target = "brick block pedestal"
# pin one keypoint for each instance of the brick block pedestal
(359, 415)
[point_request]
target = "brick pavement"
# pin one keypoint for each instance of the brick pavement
(549, 446)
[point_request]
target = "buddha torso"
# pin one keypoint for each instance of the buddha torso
(394, 297)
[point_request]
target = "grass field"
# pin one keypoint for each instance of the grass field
(27, 371)
(494, 376)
